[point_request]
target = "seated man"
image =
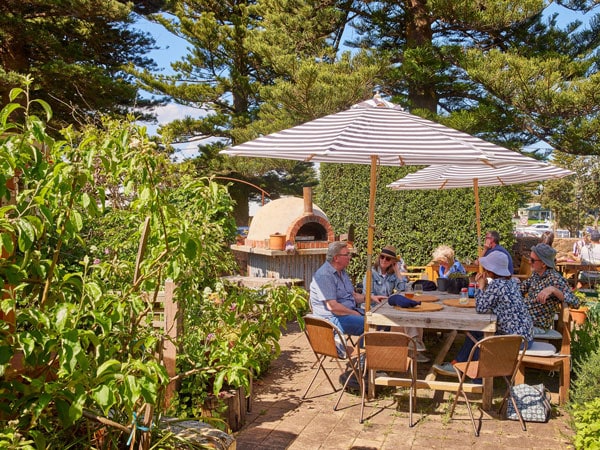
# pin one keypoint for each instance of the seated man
(590, 254)
(492, 244)
(332, 294)
(546, 289)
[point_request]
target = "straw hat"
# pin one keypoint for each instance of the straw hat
(390, 251)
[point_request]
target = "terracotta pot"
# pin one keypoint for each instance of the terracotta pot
(579, 315)
(277, 241)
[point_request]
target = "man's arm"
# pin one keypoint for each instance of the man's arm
(340, 310)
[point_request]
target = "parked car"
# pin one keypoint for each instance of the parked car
(535, 230)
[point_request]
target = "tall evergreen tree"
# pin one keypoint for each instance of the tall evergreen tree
(76, 51)
(497, 68)
(238, 49)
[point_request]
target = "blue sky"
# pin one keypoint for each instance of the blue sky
(171, 49)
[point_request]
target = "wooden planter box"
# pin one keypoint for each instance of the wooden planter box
(235, 408)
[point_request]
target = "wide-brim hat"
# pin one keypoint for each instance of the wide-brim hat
(545, 253)
(390, 251)
(496, 262)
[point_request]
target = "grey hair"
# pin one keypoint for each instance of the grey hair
(495, 236)
(334, 249)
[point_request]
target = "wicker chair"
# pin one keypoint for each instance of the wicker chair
(389, 351)
(326, 340)
(499, 356)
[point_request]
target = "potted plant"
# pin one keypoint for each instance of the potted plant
(457, 281)
(579, 315)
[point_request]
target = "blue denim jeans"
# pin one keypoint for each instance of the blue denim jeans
(352, 325)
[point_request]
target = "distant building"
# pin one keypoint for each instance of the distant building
(534, 211)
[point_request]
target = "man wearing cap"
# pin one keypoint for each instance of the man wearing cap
(332, 295)
(546, 289)
(590, 254)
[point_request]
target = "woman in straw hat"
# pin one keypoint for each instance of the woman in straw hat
(387, 279)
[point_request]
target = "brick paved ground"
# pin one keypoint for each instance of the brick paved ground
(280, 419)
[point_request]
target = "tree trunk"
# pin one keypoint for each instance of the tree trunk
(419, 34)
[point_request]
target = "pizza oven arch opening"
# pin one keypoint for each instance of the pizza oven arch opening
(312, 231)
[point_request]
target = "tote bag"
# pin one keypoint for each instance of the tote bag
(533, 403)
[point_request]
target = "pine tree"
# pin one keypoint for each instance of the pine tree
(75, 51)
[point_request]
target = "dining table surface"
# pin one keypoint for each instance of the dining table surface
(436, 313)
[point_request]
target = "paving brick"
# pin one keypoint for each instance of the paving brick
(280, 419)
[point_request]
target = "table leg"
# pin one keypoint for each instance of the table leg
(370, 385)
(439, 359)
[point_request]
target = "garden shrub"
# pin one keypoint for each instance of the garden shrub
(231, 335)
(69, 240)
(587, 425)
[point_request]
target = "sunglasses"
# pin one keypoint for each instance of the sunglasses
(387, 258)
(533, 259)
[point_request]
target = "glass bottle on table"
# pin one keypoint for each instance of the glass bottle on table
(464, 296)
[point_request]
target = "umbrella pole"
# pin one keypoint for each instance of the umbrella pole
(478, 220)
(370, 234)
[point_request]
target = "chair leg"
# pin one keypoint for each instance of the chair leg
(356, 374)
(514, 402)
(458, 393)
(363, 390)
(320, 362)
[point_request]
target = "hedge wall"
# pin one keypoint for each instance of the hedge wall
(415, 222)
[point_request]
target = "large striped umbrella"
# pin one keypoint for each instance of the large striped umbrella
(475, 175)
(376, 132)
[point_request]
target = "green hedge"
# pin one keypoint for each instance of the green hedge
(414, 221)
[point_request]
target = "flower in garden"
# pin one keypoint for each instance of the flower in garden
(97, 261)
(233, 306)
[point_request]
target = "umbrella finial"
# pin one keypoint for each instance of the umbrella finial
(378, 100)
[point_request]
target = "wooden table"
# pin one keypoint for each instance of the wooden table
(452, 319)
(568, 268)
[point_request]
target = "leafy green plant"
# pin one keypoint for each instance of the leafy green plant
(587, 424)
(71, 286)
(230, 336)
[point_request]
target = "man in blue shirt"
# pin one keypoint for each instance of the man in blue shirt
(492, 244)
(332, 294)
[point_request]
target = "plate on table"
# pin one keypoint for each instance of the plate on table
(425, 298)
(423, 307)
(456, 303)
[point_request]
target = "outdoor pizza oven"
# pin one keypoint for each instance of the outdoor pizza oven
(288, 238)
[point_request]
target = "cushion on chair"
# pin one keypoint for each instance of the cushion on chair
(540, 349)
(541, 333)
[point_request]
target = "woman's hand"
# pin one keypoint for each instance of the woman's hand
(481, 280)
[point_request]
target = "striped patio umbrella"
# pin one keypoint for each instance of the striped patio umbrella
(475, 175)
(376, 132)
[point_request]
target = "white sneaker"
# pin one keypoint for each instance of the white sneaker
(420, 345)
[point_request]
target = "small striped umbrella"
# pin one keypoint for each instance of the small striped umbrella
(376, 132)
(475, 175)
